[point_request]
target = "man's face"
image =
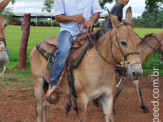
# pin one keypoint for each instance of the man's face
(124, 2)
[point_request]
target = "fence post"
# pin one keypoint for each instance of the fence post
(24, 41)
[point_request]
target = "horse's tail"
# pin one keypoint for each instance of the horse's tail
(71, 102)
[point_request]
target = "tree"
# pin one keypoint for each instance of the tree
(153, 3)
(150, 18)
(48, 5)
(13, 1)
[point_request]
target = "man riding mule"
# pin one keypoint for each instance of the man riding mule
(94, 77)
(70, 14)
(3, 46)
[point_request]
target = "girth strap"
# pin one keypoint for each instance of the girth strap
(48, 56)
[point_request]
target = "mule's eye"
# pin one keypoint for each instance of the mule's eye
(123, 43)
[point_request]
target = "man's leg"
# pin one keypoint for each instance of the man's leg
(61, 57)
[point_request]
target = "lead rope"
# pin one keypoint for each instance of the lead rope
(122, 78)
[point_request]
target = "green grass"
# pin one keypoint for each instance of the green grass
(144, 31)
(14, 35)
(38, 34)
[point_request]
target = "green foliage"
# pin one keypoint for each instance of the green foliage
(153, 4)
(150, 19)
(103, 2)
(45, 22)
(8, 14)
(48, 4)
(13, 1)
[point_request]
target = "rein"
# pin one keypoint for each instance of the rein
(106, 60)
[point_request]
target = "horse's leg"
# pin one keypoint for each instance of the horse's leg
(138, 90)
(46, 106)
(38, 89)
(82, 107)
(107, 106)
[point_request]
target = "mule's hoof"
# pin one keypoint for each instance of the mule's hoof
(146, 110)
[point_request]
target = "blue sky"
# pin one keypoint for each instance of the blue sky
(138, 6)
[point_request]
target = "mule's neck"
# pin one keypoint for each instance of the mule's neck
(145, 50)
(104, 47)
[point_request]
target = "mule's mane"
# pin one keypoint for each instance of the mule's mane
(100, 32)
(148, 35)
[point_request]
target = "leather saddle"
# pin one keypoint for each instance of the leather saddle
(49, 47)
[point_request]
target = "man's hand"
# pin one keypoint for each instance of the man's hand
(88, 25)
(78, 18)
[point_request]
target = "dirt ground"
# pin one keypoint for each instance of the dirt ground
(17, 104)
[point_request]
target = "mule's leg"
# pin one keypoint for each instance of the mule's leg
(46, 106)
(138, 90)
(107, 106)
(38, 89)
(82, 107)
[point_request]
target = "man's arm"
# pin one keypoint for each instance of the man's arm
(89, 24)
(64, 19)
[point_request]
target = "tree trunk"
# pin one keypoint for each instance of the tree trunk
(24, 41)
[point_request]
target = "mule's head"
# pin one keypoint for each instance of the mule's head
(3, 47)
(125, 46)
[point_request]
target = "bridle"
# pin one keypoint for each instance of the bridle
(4, 48)
(160, 52)
(126, 62)
(125, 56)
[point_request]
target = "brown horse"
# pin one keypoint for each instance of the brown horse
(3, 47)
(148, 45)
(95, 76)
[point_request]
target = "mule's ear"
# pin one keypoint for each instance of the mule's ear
(114, 20)
(3, 4)
(129, 16)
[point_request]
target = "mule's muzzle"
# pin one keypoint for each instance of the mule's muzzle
(3, 58)
(135, 71)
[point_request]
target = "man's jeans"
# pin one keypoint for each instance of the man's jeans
(64, 49)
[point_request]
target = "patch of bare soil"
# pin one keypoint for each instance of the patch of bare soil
(17, 104)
